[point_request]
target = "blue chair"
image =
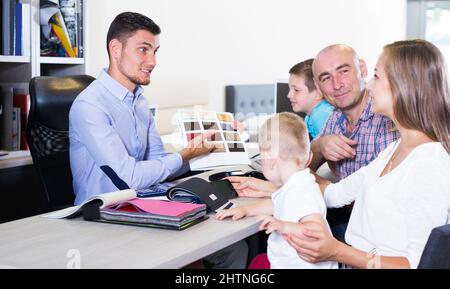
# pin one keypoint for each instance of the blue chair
(436, 254)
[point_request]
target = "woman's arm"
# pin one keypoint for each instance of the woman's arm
(320, 246)
(317, 159)
(323, 183)
(346, 191)
(362, 260)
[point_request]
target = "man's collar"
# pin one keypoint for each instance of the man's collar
(116, 88)
(367, 112)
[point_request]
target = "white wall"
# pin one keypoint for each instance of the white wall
(214, 43)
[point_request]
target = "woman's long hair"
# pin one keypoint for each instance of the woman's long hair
(417, 75)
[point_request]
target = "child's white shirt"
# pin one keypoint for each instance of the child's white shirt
(296, 199)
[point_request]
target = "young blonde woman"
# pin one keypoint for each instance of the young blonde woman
(405, 192)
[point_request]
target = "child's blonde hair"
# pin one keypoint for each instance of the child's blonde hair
(286, 136)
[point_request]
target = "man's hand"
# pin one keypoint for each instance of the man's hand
(198, 146)
(252, 187)
(239, 126)
(336, 147)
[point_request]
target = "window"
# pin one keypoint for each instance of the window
(430, 20)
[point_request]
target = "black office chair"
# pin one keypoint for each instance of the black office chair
(48, 134)
(436, 254)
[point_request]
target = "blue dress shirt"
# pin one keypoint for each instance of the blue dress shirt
(318, 117)
(114, 142)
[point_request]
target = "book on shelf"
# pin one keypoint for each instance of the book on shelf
(6, 27)
(18, 29)
(26, 29)
(15, 105)
(6, 119)
(21, 100)
(80, 29)
(123, 207)
(2, 17)
(1, 114)
(69, 13)
(15, 27)
(15, 129)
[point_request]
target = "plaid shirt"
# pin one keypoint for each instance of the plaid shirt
(373, 132)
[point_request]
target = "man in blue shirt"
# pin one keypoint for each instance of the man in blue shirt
(305, 97)
(113, 140)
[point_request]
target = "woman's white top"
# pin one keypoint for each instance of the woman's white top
(393, 215)
(296, 199)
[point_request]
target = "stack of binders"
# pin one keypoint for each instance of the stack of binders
(148, 213)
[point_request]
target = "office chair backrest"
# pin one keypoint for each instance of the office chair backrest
(48, 136)
(247, 100)
(436, 254)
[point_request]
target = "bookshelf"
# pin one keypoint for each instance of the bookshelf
(23, 68)
(17, 70)
(18, 177)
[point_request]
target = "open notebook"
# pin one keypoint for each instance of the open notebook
(105, 200)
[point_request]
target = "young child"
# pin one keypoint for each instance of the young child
(285, 152)
(305, 97)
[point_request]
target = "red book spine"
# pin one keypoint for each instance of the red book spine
(22, 100)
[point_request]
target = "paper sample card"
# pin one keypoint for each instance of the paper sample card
(229, 148)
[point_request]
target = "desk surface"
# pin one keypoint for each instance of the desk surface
(15, 159)
(39, 242)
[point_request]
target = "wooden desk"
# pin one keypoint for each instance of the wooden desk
(38, 242)
(20, 188)
(15, 159)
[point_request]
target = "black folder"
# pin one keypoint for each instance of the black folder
(199, 191)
